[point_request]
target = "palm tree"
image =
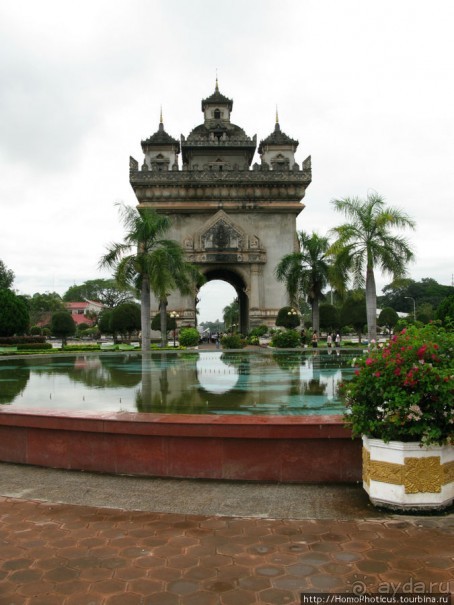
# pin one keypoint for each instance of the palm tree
(366, 242)
(231, 315)
(307, 272)
(150, 264)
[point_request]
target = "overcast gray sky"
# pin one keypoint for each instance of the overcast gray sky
(365, 86)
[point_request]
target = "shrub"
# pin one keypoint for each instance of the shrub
(233, 341)
(35, 346)
(287, 317)
(259, 331)
(289, 339)
(404, 391)
(253, 340)
(189, 337)
(36, 331)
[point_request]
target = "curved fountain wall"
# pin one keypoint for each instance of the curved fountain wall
(258, 448)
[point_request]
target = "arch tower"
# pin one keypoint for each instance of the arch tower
(234, 219)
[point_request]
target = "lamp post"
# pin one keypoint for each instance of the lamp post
(292, 313)
(414, 305)
(174, 316)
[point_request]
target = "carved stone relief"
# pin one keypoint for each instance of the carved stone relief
(222, 240)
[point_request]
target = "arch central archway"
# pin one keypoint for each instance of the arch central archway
(237, 282)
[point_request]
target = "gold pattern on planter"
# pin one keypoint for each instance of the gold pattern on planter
(387, 472)
(448, 472)
(423, 475)
(366, 466)
(417, 475)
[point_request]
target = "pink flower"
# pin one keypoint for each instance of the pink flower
(369, 361)
(377, 374)
(420, 352)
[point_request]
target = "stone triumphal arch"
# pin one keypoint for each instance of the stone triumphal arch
(235, 221)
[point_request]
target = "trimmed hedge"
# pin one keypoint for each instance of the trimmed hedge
(82, 347)
(34, 346)
(19, 340)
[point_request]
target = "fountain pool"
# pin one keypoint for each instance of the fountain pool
(231, 415)
(247, 383)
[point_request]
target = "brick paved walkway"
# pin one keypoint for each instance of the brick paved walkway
(61, 554)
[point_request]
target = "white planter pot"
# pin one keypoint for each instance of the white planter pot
(405, 476)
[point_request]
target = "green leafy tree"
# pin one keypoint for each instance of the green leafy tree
(388, 318)
(425, 313)
(6, 277)
(14, 315)
(62, 325)
(126, 319)
(329, 317)
(287, 318)
(353, 312)
(445, 312)
(308, 272)
(150, 264)
(104, 291)
(428, 291)
(171, 323)
(367, 243)
(43, 305)
(104, 321)
(213, 326)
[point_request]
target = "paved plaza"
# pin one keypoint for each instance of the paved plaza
(75, 538)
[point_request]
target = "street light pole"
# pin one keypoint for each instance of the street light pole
(175, 316)
(414, 305)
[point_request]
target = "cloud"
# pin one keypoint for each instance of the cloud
(367, 95)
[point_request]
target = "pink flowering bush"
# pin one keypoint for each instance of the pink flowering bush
(404, 390)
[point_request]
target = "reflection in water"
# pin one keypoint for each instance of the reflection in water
(289, 383)
(13, 383)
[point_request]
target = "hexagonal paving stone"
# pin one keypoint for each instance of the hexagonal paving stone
(238, 597)
(275, 596)
(219, 586)
(182, 561)
(201, 597)
(182, 587)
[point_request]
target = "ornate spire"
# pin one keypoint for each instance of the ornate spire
(216, 89)
(161, 121)
(277, 116)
